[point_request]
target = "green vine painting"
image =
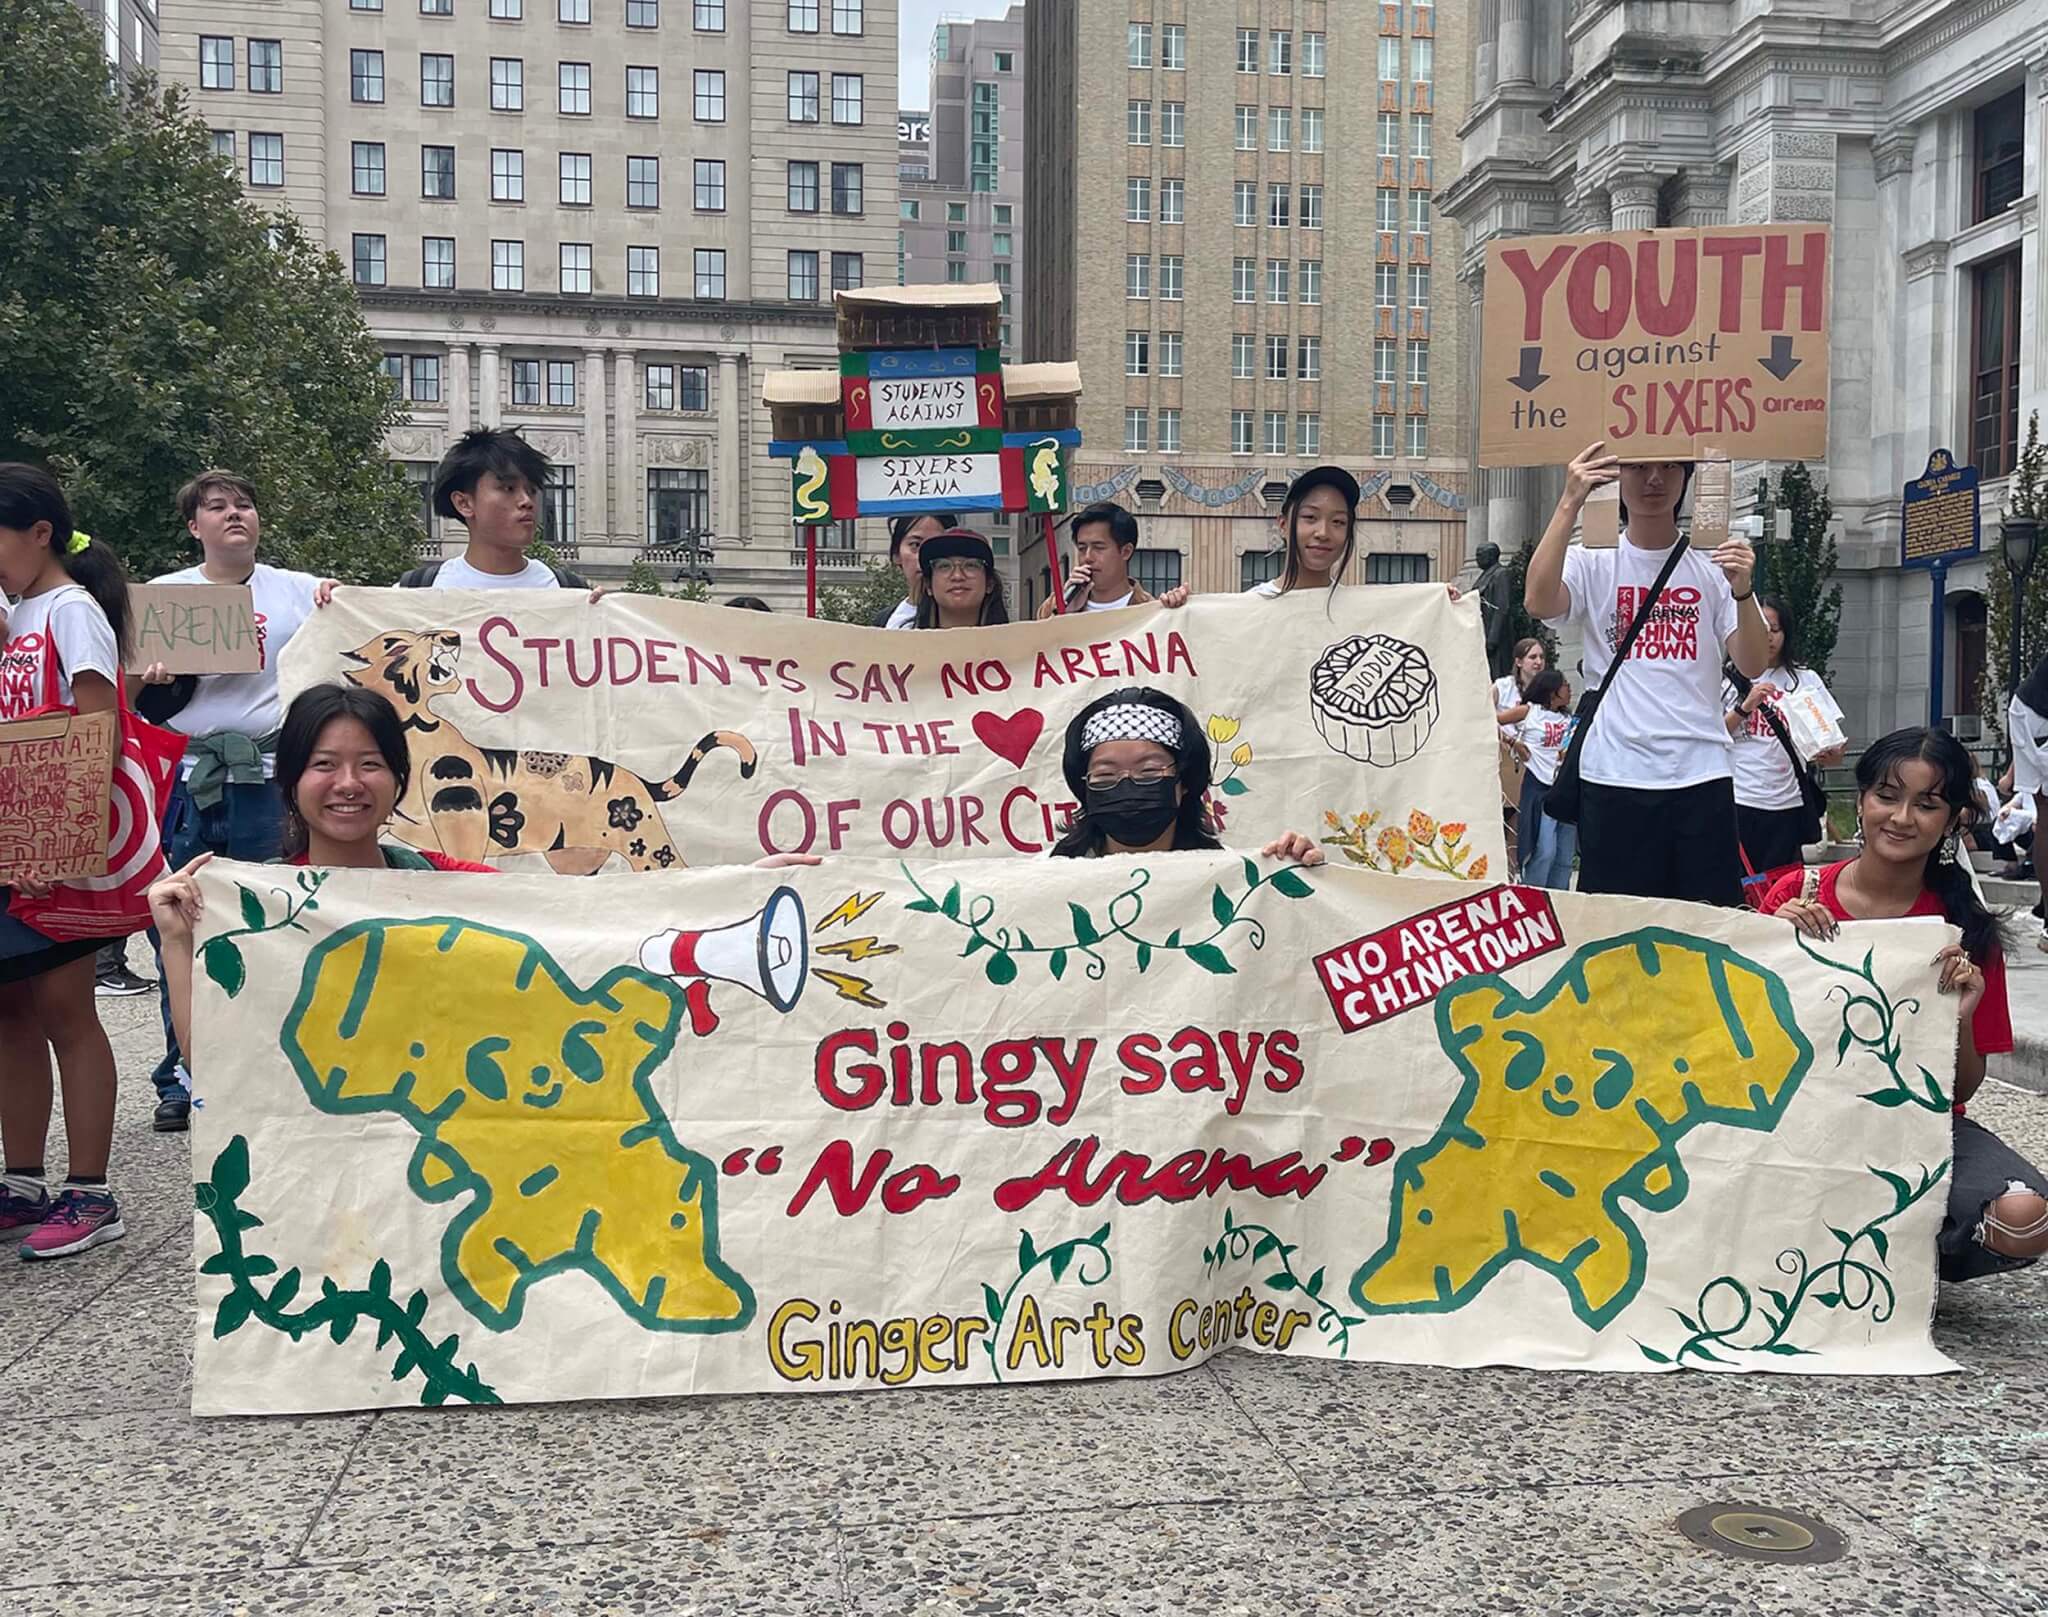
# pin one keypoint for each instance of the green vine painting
(1870, 1021)
(1087, 935)
(222, 956)
(1257, 1241)
(1055, 1260)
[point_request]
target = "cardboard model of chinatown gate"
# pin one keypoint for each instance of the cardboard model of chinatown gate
(923, 415)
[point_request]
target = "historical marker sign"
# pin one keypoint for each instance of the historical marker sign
(1938, 519)
(1659, 342)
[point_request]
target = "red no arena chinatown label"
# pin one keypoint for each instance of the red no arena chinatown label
(1384, 973)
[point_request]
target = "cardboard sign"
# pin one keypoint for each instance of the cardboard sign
(900, 1123)
(56, 786)
(1939, 520)
(195, 628)
(1658, 342)
(1713, 491)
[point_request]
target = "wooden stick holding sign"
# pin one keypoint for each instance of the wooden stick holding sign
(195, 628)
(56, 784)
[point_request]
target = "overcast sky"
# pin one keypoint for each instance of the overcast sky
(918, 18)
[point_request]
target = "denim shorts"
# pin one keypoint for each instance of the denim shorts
(26, 953)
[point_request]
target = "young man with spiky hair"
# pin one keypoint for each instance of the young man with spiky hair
(492, 482)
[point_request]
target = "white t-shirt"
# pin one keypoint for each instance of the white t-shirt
(457, 574)
(1763, 769)
(66, 619)
(1268, 591)
(1661, 724)
(904, 616)
(247, 704)
(1546, 735)
(1111, 606)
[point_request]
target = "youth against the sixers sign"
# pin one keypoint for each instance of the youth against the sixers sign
(907, 1123)
(650, 734)
(1662, 343)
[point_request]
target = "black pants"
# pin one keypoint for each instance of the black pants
(1771, 837)
(1660, 844)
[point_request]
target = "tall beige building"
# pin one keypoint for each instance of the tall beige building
(1231, 227)
(599, 221)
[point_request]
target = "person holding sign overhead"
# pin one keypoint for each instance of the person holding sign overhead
(1650, 758)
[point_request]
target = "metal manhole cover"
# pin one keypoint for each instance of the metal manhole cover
(1762, 1533)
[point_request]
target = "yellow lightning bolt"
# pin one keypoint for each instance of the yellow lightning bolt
(857, 989)
(859, 949)
(851, 909)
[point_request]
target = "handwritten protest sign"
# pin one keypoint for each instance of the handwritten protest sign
(195, 628)
(56, 781)
(1659, 342)
(647, 734)
(500, 1138)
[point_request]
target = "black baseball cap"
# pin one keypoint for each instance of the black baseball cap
(956, 542)
(1321, 477)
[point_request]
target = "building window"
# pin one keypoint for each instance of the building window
(1999, 141)
(1137, 431)
(1242, 344)
(1995, 366)
(1169, 277)
(573, 177)
(366, 168)
(846, 16)
(507, 10)
(803, 16)
(1247, 129)
(803, 277)
(1256, 567)
(1240, 432)
(1173, 123)
(1308, 433)
(508, 176)
(1311, 129)
(1418, 136)
(1276, 357)
(678, 506)
(366, 76)
(848, 98)
(1313, 49)
(1172, 201)
(1138, 123)
(985, 131)
(437, 80)
(562, 383)
(1418, 436)
(710, 266)
(1001, 243)
(369, 260)
(508, 266)
(1173, 47)
(803, 98)
(1276, 432)
(1155, 571)
(643, 272)
(1390, 59)
(1137, 353)
(848, 188)
(216, 62)
(1169, 355)
(1390, 135)
(415, 377)
(1005, 62)
(508, 84)
(849, 272)
(956, 241)
(1244, 280)
(572, 92)
(695, 381)
(1418, 364)
(1387, 209)
(1311, 207)
(661, 387)
(1383, 361)
(1139, 46)
(1247, 50)
(1386, 285)
(1383, 437)
(1244, 199)
(643, 182)
(1418, 213)
(1311, 280)
(803, 188)
(956, 273)
(1169, 432)
(526, 383)
(1138, 200)
(1308, 365)
(1277, 278)
(1390, 567)
(643, 92)
(1418, 286)
(710, 185)
(1280, 52)
(437, 172)
(224, 145)
(1137, 275)
(643, 13)
(575, 266)
(567, 11)
(1278, 199)
(266, 66)
(420, 474)
(1279, 128)
(266, 159)
(708, 16)
(558, 510)
(437, 263)
(366, 5)
(1421, 57)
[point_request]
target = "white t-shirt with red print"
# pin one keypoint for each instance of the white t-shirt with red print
(61, 632)
(1660, 725)
(1546, 736)
(247, 704)
(1763, 769)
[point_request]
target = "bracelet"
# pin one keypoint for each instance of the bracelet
(1749, 597)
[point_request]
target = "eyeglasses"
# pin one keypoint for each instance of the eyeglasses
(954, 564)
(1154, 776)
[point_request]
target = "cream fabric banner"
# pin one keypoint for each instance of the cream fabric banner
(495, 1138)
(649, 734)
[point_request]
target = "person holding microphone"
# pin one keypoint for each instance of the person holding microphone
(1105, 539)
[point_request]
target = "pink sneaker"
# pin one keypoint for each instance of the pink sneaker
(20, 1211)
(79, 1218)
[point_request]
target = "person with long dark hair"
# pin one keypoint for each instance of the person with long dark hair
(1319, 528)
(2026, 728)
(1771, 818)
(1137, 762)
(907, 534)
(1914, 797)
(1545, 845)
(962, 589)
(64, 644)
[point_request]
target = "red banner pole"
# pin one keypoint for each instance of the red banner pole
(810, 570)
(1052, 562)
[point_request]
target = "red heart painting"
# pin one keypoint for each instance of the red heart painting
(1013, 738)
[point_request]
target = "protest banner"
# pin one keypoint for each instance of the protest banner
(1658, 342)
(56, 780)
(648, 733)
(491, 1139)
(195, 628)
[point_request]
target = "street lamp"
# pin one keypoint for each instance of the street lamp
(2019, 539)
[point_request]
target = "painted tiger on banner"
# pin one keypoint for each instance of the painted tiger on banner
(475, 802)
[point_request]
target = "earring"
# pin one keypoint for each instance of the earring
(1946, 854)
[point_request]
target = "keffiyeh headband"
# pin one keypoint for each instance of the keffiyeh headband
(1133, 721)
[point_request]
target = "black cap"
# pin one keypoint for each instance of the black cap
(956, 542)
(1321, 477)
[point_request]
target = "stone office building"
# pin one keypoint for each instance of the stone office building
(1915, 130)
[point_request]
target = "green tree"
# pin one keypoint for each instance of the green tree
(642, 579)
(878, 590)
(1802, 568)
(2027, 495)
(153, 322)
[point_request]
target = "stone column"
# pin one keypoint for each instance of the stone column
(1516, 58)
(1587, 210)
(1486, 51)
(1634, 198)
(457, 392)
(490, 401)
(1702, 198)
(728, 495)
(627, 506)
(593, 521)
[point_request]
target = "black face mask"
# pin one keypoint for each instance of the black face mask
(1133, 812)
